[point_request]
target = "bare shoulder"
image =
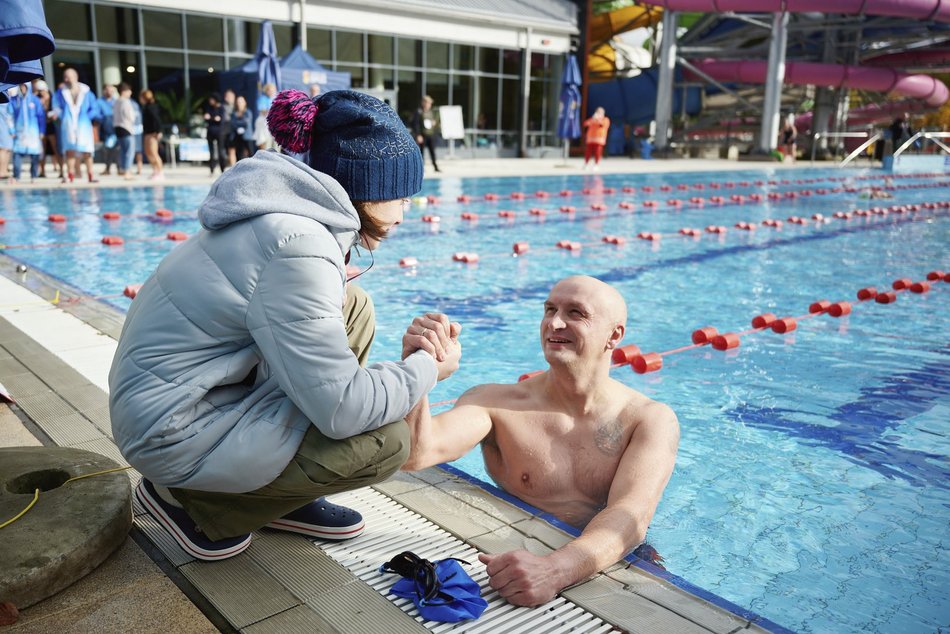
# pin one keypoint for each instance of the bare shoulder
(492, 395)
(640, 409)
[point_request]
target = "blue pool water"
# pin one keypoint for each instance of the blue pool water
(811, 484)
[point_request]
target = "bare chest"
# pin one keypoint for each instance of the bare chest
(563, 469)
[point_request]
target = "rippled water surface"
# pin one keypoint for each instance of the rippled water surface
(811, 484)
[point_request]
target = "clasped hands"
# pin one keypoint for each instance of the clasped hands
(434, 333)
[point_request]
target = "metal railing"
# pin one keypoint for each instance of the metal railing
(931, 136)
(843, 135)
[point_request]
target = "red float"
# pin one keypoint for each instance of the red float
(566, 192)
(764, 320)
(839, 309)
(468, 258)
(112, 241)
(520, 247)
(704, 335)
(649, 362)
(408, 262)
(567, 209)
(727, 341)
(517, 195)
(432, 219)
(786, 324)
(625, 354)
(176, 236)
(536, 211)
(464, 198)
(819, 306)
(466, 215)
(56, 218)
(886, 298)
(920, 287)
(541, 194)
(164, 213)
(505, 213)
(901, 283)
(492, 196)
(867, 293)
(111, 215)
(132, 290)
(935, 276)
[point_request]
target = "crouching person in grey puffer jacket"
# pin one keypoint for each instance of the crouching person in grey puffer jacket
(239, 388)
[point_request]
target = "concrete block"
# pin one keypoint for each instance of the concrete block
(71, 529)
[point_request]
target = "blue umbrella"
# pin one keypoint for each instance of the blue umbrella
(569, 108)
(268, 63)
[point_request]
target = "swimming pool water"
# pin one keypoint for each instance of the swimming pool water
(811, 484)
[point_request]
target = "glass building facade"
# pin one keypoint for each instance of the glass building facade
(180, 53)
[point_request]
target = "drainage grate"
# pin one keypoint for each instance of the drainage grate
(396, 529)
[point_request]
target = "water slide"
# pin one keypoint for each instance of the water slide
(922, 90)
(924, 10)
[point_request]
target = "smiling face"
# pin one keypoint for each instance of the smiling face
(584, 319)
(379, 218)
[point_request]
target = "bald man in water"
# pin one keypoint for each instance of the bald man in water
(571, 441)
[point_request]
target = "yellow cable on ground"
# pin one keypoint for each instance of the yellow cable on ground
(36, 494)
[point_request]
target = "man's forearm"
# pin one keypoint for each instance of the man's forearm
(419, 420)
(609, 536)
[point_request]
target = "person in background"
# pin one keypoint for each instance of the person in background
(152, 133)
(789, 139)
(27, 142)
(259, 401)
(262, 135)
(228, 105)
(242, 127)
(901, 130)
(218, 127)
(47, 145)
(424, 125)
(314, 90)
(138, 133)
(6, 137)
(123, 121)
(110, 145)
(74, 106)
(595, 137)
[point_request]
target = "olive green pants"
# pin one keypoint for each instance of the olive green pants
(322, 466)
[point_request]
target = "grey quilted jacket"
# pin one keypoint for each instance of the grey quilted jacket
(236, 344)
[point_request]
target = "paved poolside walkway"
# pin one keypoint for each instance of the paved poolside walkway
(55, 361)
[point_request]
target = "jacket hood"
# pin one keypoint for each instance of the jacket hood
(274, 183)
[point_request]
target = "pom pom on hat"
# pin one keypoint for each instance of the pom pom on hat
(290, 120)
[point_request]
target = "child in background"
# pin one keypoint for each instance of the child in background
(596, 138)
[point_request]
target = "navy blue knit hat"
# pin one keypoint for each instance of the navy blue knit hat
(355, 138)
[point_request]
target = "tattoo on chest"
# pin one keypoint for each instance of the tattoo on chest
(609, 438)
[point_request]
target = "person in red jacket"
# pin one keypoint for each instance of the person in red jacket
(596, 137)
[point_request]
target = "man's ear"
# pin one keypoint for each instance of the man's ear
(615, 337)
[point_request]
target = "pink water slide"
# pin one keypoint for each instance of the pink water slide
(925, 92)
(938, 10)
(932, 92)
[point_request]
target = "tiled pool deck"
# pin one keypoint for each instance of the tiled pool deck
(55, 359)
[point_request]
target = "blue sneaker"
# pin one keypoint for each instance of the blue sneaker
(322, 519)
(183, 529)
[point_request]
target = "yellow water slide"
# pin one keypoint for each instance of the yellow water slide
(602, 58)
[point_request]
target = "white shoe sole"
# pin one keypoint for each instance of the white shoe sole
(155, 510)
(323, 532)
